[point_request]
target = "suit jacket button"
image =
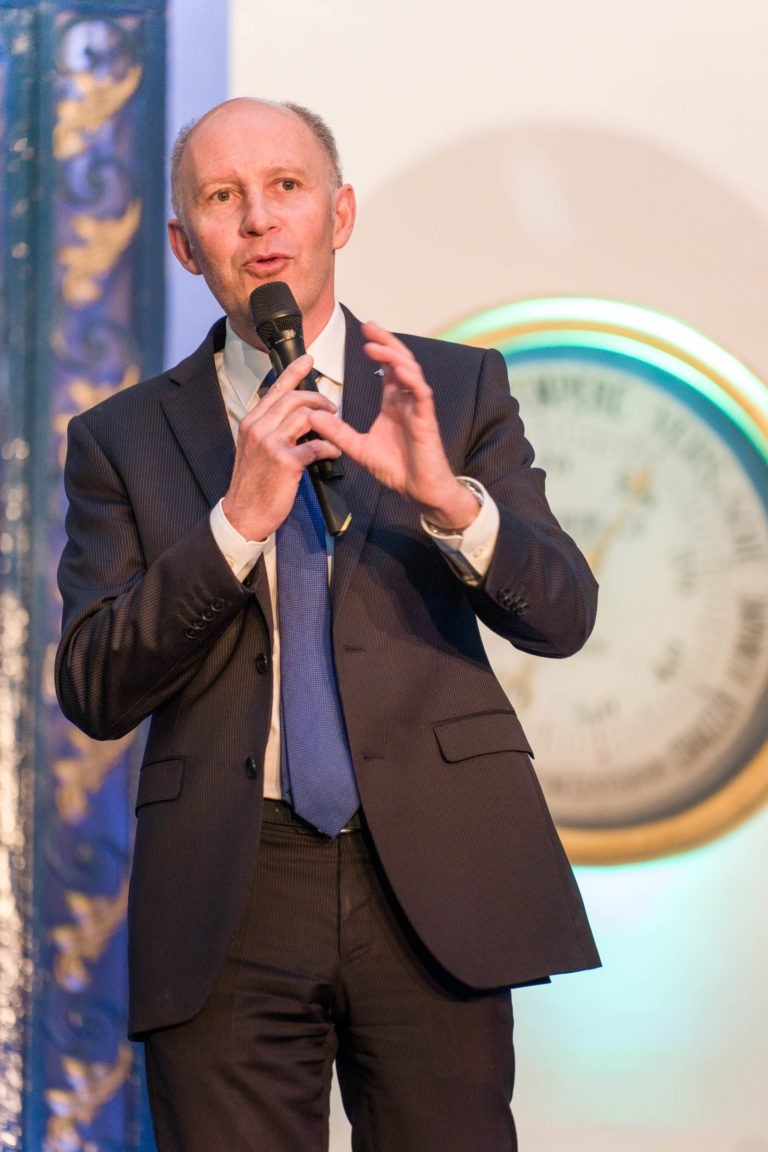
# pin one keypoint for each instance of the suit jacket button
(262, 663)
(251, 768)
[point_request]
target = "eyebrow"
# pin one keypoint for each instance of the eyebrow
(233, 177)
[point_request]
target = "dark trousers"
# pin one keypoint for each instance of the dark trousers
(323, 967)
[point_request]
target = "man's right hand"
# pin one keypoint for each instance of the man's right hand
(269, 460)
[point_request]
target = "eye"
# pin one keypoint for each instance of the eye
(222, 195)
(288, 185)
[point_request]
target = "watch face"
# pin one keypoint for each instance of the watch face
(655, 442)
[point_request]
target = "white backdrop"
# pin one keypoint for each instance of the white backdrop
(609, 147)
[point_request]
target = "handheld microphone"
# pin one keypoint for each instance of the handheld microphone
(277, 319)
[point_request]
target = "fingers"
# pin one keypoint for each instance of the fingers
(334, 431)
(309, 451)
(279, 435)
(384, 346)
(270, 457)
(401, 366)
(272, 452)
(287, 382)
(284, 409)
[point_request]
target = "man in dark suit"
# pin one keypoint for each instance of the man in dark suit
(261, 948)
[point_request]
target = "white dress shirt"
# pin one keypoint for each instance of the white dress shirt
(241, 368)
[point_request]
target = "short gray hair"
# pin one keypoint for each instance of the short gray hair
(322, 134)
(317, 126)
(177, 156)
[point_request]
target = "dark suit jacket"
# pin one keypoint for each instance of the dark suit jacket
(155, 623)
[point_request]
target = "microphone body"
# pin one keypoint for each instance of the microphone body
(277, 319)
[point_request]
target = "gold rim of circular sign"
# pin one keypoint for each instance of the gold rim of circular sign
(558, 317)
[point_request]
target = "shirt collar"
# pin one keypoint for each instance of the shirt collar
(328, 349)
(247, 366)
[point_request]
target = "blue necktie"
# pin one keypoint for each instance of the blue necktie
(316, 756)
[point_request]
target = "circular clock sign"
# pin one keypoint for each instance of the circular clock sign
(655, 442)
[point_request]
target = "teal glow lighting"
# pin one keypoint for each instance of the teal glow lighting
(632, 331)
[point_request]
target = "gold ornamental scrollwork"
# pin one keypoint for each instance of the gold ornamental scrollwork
(98, 99)
(82, 775)
(91, 1087)
(96, 919)
(103, 243)
(84, 394)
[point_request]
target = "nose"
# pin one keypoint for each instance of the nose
(258, 216)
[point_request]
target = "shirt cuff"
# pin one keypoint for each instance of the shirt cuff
(470, 552)
(239, 553)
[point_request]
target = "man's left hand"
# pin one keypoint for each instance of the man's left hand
(403, 448)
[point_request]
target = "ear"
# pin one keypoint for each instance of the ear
(181, 247)
(344, 215)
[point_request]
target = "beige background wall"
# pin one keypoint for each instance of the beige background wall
(606, 147)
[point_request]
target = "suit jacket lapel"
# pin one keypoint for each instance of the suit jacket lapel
(360, 406)
(196, 413)
(195, 410)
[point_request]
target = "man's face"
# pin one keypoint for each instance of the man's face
(258, 205)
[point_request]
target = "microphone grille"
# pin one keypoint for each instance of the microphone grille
(274, 304)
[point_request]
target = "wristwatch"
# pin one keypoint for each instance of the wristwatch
(451, 533)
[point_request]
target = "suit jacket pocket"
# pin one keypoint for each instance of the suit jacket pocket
(479, 734)
(160, 780)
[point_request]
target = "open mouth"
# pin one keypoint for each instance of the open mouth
(272, 263)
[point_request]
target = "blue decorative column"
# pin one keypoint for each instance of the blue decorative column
(82, 106)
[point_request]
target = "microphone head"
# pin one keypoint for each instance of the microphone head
(276, 315)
